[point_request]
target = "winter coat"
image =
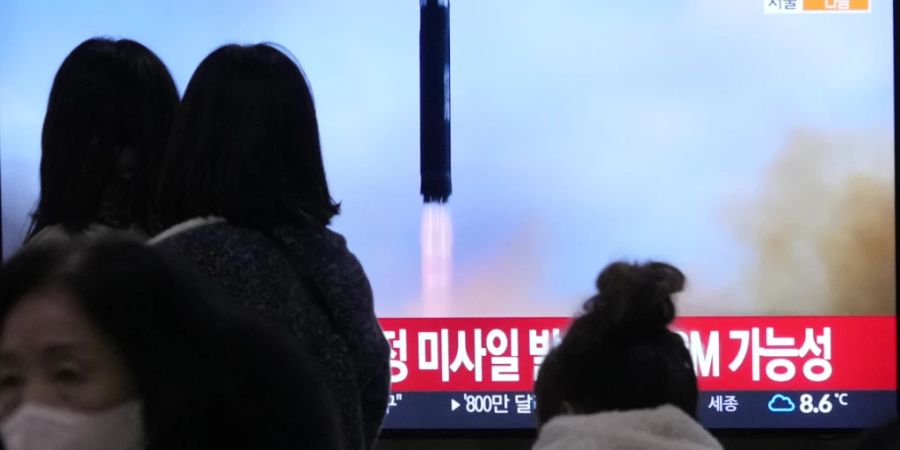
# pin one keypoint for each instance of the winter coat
(305, 280)
(665, 428)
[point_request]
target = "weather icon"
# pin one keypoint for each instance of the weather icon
(781, 404)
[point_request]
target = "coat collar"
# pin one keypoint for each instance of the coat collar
(189, 224)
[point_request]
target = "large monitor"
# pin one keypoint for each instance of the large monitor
(750, 143)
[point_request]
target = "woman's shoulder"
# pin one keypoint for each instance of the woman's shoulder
(312, 243)
(214, 243)
(241, 259)
(316, 251)
(49, 235)
(214, 226)
(59, 233)
(663, 427)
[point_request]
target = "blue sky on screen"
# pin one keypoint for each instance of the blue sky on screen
(581, 134)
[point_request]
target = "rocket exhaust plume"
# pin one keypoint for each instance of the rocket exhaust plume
(437, 260)
(434, 154)
(434, 100)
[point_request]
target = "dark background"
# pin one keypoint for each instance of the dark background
(811, 442)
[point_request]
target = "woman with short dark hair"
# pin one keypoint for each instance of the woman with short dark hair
(112, 346)
(620, 378)
(246, 144)
(244, 193)
(111, 107)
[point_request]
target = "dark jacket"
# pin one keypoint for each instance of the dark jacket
(304, 279)
(249, 387)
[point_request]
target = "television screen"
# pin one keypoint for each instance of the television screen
(750, 143)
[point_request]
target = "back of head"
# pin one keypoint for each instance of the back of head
(246, 143)
(206, 376)
(619, 354)
(108, 118)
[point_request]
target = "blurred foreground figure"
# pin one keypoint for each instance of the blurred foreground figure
(621, 379)
(886, 437)
(110, 346)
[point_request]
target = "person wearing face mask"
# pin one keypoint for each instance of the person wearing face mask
(111, 346)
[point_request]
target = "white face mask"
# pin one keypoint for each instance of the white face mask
(38, 427)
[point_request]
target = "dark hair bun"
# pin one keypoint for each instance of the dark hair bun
(635, 300)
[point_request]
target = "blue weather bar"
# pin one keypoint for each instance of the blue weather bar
(716, 410)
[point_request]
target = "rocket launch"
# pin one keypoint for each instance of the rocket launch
(434, 154)
(434, 100)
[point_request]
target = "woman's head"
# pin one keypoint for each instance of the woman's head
(52, 353)
(91, 339)
(245, 144)
(108, 118)
(108, 314)
(619, 353)
(88, 328)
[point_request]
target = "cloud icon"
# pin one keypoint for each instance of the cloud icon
(781, 403)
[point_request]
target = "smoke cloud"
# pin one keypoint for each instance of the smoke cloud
(821, 228)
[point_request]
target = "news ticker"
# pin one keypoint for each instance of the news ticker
(753, 372)
(723, 409)
(818, 353)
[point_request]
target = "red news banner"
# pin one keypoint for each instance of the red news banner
(729, 353)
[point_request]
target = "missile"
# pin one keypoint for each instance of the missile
(434, 100)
